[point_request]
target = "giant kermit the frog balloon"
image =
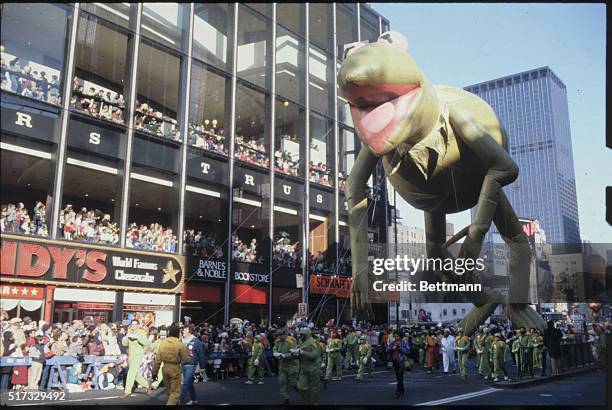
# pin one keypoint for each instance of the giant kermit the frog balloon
(444, 151)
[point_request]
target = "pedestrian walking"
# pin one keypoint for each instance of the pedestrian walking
(172, 354)
(448, 351)
(398, 351)
(195, 348)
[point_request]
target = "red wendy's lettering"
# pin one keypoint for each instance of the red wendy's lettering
(62, 258)
(8, 258)
(53, 262)
(34, 260)
(98, 270)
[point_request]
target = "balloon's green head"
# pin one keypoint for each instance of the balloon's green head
(391, 101)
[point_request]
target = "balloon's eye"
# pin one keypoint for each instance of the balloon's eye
(394, 39)
(349, 48)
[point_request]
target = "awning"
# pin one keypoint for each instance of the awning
(208, 293)
(83, 295)
(29, 305)
(244, 293)
(148, 298)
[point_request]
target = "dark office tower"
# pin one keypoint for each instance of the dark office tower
(532, 107)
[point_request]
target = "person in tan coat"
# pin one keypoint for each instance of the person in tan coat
(172, 353)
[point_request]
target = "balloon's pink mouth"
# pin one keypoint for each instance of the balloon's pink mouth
(377, 109)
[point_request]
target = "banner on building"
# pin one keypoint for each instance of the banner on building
(331, 285)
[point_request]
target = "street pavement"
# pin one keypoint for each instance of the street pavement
(588, 389)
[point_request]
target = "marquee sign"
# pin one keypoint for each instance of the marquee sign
(54, 262)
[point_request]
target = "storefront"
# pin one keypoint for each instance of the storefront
(79, 281)
(249, 290)
(202, 298)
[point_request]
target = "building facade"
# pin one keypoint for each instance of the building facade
(211, 134)
(532, 107)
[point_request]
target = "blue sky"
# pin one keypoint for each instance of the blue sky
(463, 44)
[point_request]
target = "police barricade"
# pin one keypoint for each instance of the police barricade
(575, 355)
(225, 356)
(59, 366)
(524, 362)
(15, 361)
(95, 363)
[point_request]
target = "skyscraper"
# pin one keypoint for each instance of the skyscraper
(532, 107)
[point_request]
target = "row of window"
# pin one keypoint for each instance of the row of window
(91, 210)
(103, 67)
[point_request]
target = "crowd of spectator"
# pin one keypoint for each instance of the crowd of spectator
(16, 219)
(251, 150)
(285, 253)
(155, 122)
(88, 225)
(241, 252)
(211, 139)
(226, 348)
(199, 244)
(20, 78)
(285, 163)
(152, 238)
(319, 263)
(320, 174)
(97, 102)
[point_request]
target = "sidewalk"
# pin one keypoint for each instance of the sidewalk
(537, 379)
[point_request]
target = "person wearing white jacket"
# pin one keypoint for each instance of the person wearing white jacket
(448, 351)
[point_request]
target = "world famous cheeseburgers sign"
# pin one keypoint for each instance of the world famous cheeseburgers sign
(31, 260)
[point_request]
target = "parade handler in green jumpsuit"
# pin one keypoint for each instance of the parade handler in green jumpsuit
(334, 346)
(160, 377)
(309, 382)
(514, 348)
(135, 340)
(419, 344)
(365, 359)
(462, 345)
(256, 365)
(486, 341)
(288, 365)
(478, 347)
(351, 343)
(499, 358)
(538, 349)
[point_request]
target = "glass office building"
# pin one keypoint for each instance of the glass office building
(212, 132)
(532, 107)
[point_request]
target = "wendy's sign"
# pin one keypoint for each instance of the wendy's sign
(59, 263)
